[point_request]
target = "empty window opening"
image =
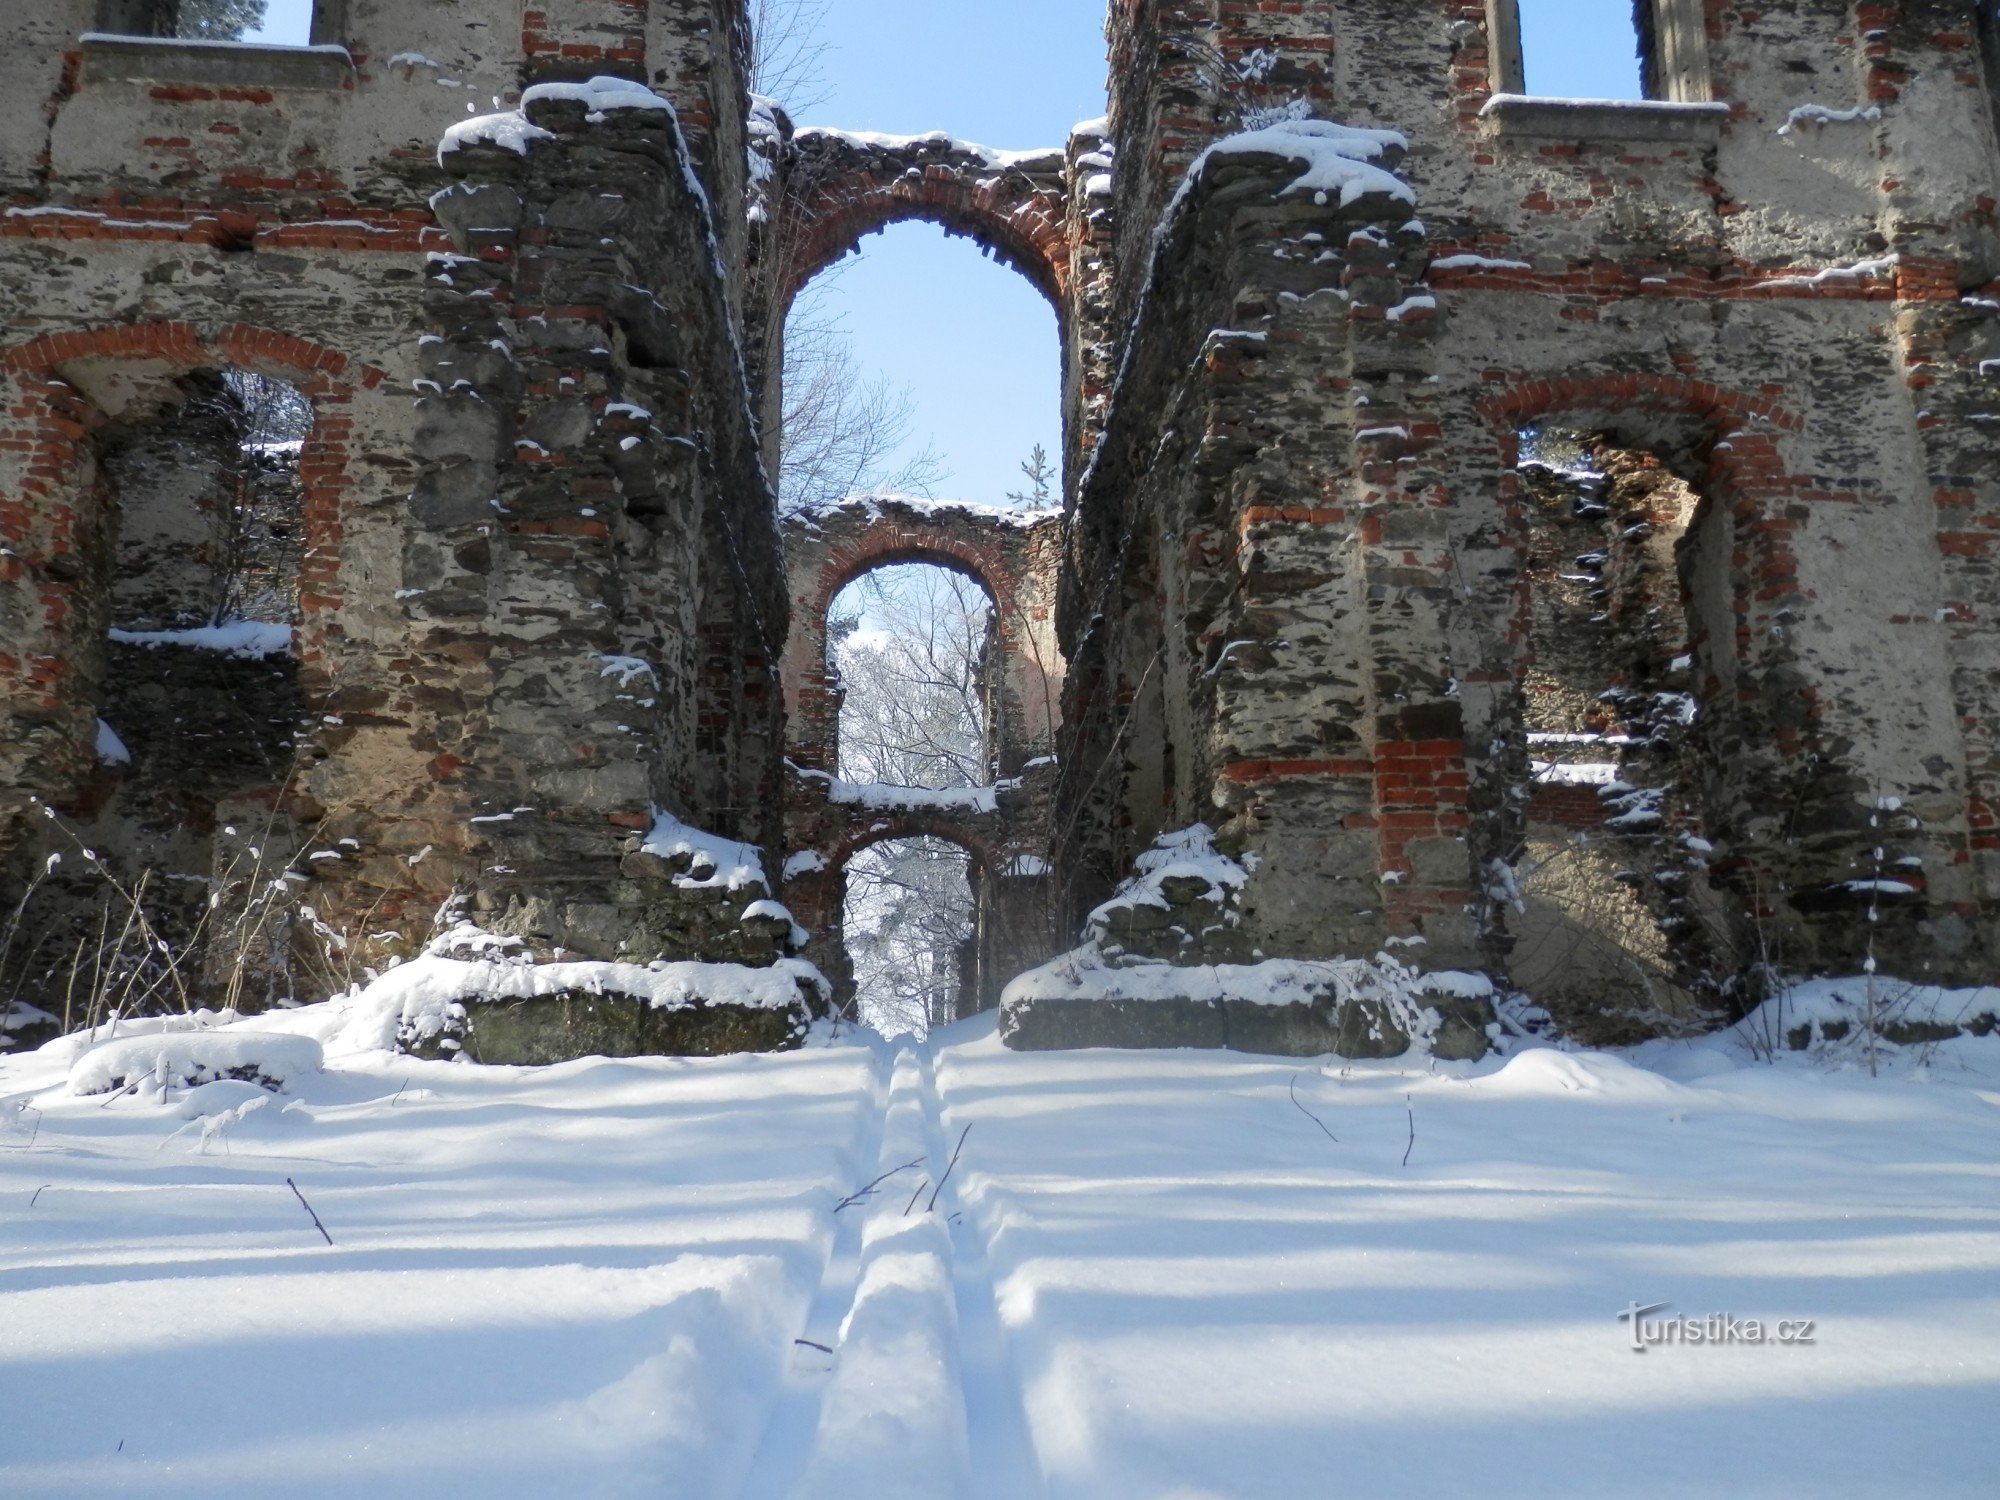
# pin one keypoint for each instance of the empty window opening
(911, 647)
(1616, 917)
(277, 23)
(1581, 49)
(907, 921)
(917, 366)
(195, 517)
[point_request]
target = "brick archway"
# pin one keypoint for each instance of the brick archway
(843, 187)
(44, 522)
(1011, 555)
(1013, 925)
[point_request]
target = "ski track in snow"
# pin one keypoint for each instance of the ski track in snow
(900, 1387)
(794, 1417)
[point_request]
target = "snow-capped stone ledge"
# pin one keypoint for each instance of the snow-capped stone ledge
(935, 142)
(869, 505)
(252, 640)
(705, 861)
(875, 796)
(500, 1010)
(1164, 963)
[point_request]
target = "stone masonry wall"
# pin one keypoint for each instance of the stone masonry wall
(1781, 290)
(541, 592)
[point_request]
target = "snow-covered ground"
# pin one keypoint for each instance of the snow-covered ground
(1150, 1274)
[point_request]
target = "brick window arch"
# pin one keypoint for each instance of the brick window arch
(46, 519)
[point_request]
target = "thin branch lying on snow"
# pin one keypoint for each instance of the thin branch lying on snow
(950, 1167)
(1294, 1091)
(309, 1209)
(1407, 1105)
(863, 1193)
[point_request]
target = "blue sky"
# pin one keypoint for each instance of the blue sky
(971, 341)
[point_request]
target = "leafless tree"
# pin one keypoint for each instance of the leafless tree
(911, 646)
(786, 49)
(842, 432)
(206, 20)
(912, 657)
(909, 914)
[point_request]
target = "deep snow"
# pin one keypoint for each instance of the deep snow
(1150, 1274)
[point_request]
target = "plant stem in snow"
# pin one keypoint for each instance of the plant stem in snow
(950, 1166)
(309, 1209)
(1294, 1090)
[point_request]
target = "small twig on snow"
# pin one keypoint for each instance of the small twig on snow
(1294, 1091)
(862, 1193)
(309, 1209)
(949, 1166)
(38, 1193)
(809, 1344)
(915, 1196)
(1413, 1129)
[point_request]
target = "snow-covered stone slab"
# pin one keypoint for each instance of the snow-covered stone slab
(500, 1009)
(189, 1059)
(1285, 1008)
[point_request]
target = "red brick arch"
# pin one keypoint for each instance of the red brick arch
(889, 544)
(888, 827)
(49, 420)
(1522, 398)
(849, 189)
(963, 542)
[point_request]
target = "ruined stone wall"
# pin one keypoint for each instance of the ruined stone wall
(541, 591)
(1789, 305)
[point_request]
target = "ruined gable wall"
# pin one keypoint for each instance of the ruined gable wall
(187, 220)
(1666, 283)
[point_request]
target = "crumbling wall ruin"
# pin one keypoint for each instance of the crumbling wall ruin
(1306, 515)
(1308, 592)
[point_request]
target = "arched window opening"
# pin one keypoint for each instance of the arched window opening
(911, 646)
(1617, 926)
(158, 874)
(918, 367)
(908, 925)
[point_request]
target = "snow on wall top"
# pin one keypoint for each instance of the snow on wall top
(869, 504)
(251, 639)
(883, 797)
(1083, 975)
(1186, 854)
(416, 1001)
(1337, 158)
(1045, 159)
(718, 863)
(512, 131)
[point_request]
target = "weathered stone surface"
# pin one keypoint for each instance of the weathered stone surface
(559, 1028)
